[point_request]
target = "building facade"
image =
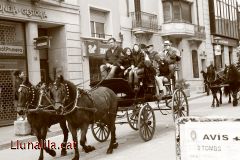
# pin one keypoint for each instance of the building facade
(21, 22)
(99, 22)
(181, 21)
(224, 31)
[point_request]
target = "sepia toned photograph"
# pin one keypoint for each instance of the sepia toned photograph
(119, 79)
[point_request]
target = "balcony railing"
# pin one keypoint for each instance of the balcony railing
(101, 35)
(199, 32)
(144, 20)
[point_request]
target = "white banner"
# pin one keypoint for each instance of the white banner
(209, 139)
(6, 49)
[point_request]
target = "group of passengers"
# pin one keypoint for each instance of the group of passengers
(140, 61)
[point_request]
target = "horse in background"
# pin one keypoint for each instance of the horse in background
(214, 84)
(233, 79)
(31, 98)
(83, 108)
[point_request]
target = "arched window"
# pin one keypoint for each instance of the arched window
(195, 64)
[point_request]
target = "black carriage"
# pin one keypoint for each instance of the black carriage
(136, 105)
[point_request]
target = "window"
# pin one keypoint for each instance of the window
(167, 11)
(195, 64)
(186, 12)
(225, 13)
(97, 29)
(99, 23)
(177, 11)
(12, 36)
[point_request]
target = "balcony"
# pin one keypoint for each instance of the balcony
(144, 23)
(199, 35)
(178, 29)
(199, 32)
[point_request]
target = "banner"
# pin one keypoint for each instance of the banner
(11, 50)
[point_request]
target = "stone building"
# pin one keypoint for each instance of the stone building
(21, 22)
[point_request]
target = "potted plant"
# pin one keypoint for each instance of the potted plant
(182, 84)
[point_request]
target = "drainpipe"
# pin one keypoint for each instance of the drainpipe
(197, 14)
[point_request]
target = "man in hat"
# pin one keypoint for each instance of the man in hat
(171, 55)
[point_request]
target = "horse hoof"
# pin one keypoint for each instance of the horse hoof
(75, 158)
(52, 153)
(40, 158)
(63, 152)
(115, 145)
(88, 149)
(229, 102)
(109, 151)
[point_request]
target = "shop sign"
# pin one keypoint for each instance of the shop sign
(208, 138)
(224, 41)
(217, 50)
(10, 50)
(42, 42)
(96, 48)
(29, 12)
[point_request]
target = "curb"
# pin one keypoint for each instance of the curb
(7, 145)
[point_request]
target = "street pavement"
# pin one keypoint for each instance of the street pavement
(131, 146)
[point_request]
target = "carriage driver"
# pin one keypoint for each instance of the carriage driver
(167, 60)
(112, 60)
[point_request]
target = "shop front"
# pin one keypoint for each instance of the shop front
(223, 51)
(22, 23)
(12, 58)
(95, 51)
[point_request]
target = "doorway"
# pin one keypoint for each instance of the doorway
(44, 66)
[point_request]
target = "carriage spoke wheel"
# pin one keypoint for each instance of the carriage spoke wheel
(146, 122)
(100, 131)
(179, 104)
(132, 117)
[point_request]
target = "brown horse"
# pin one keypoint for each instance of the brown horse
(40, 121)
(214, 84)
(83, 108)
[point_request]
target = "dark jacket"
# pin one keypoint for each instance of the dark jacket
(18, 82)
(126, 61)
(138, 59)
(164, 68)
(113, 58)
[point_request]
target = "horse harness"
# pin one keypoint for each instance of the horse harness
(80, 93)
(31, 91)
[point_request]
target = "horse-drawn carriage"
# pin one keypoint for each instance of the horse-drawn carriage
(99, 107)
(138, 107)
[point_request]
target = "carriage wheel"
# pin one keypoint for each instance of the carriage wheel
(132, 117)
(100, 131)
(179, 104)
(146, 122)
